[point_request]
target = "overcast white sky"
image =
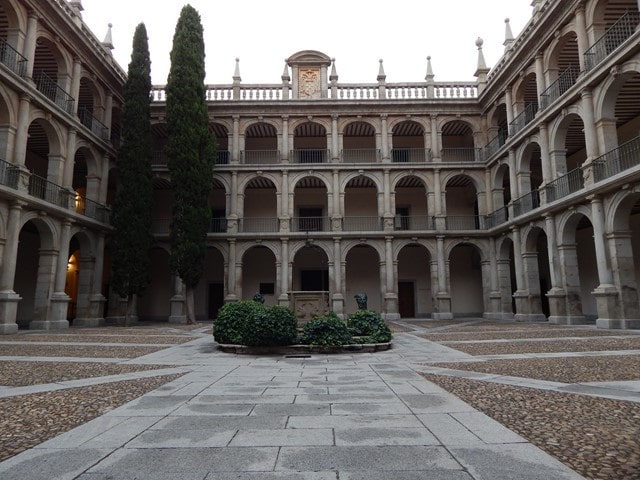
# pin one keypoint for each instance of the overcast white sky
(357, 33)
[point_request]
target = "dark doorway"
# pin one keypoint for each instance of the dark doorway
(216, 298)
(314, 280)
(407, 299)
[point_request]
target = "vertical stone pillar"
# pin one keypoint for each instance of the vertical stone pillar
(69, 162)
(547, 171)
(521, 294)
(513, 175)
(177, 303)
(75, 83)
(335, 146)
(283, 299)
(231, 274)
(8, 297)
(22, 131)
(30, 42)
(494, 297)
(623, 268)
(284, 155)
(557, 295)
(232, 218)
(568, 257)
(509, 101)
(59, 301)
(235, 141)
(337, 300)
(384, 141)
(391, 294)
(96, 299)
(532, 274)
(44, 285)
(590, 134)
(435, 146)
(440, 220)
(336, 214)
(504, 282)
(284, 213)
(387, 214)
(103, 187)
(443, 297)
(581, 33)
(541, 85)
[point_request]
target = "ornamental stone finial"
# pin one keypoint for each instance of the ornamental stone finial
(482, 65)
(429, 77)
(381, 75)
(236, 72)
(108, 40)
(508, 35)
(285, 73)
(333, 77)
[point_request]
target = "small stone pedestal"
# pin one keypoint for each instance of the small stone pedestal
(9, 312)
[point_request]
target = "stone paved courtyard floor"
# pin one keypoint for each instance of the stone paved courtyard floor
(161, 402)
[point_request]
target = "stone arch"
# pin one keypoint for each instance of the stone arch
(605, 98)
(297, 177)
(423, 122)
(347, 245)
(294, 124)
(325, 246)
(429, 245)
(466, 283)
(47, 229)
(91, 96)
(420, 176)
(15, 19)
(52, 129)
(47, 49)
(373, 178)
(567, 222)
(370, 125)
(259, 266)
(566, 44)
(267, 176)
(414, 264)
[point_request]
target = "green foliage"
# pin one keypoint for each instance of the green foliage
(327, 330)
(273, 326)
(190, 149)
(133, 204)
(369, 324)
(232, 320)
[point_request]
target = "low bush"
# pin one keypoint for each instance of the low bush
(369, 325)
(325, 331)
(232, 320)
(273, 326)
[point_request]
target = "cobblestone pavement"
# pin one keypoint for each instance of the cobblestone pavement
(574, 399)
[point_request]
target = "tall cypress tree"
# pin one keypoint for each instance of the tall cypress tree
(133, 205)
(190, 150)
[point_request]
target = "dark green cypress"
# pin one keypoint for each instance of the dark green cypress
(132, 212)
(190, 152)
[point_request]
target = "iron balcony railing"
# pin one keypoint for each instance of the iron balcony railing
(524, 118)
(310, 224)
(497, 217)
(413, 222)
(9, 174)
(218, 225)
(309, 155)
(362, 224)
(561, 187)
(617, 160)
(98, 128)
(526, 203)
(615, 36)
(222, 157)
(50, 89)
(410, 155)
(465, 222)
(565, 81)
(458, 155)
(10, 57)
(360, 155)
(92, 209)
(261, 157)
(259, 224)
(496, 143)
(50, 192)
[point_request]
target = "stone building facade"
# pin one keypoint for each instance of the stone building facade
(513, 196)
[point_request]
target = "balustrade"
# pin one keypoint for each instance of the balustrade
(565, 185)
(452, 155)
(309, 155)
(310, 224)
(91, 209)
(259, 224)
(615, 36)
(497, 217)
(565, 81)
(526, 203)
(50, 89)
(361, 224)
(9, 174)
(524, 118)
(93, 124)
(10, 57)
(261, 157)
(465, 222)
(410, 155)
(413, 222)
(360, 155)
(617, 160)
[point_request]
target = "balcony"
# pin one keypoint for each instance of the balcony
(259, 225)
(495, 144)
(565, 81)
(465, 222)
(261, 157)
(92, 123)
(561, 187)
(50, 192)
(91, 209)
(309, 155)
(460, 155)
(12, 59)
(619, 32)
(360, 155)
(362, 224)
(50, 89)
(310, 224)
(9, 174)
(526, 203)
(222, 157)
(218, 225)
(523, 119)
(413, 222)
(497, 217)
(617, 160)
(410, 155)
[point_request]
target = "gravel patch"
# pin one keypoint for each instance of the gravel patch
(505, 348)
(138, 337)
(29, 420)
(89, 351)
(565, 369)
(518, 334)
(596, 437)
(21, 374)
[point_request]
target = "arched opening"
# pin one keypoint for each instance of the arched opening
(25, 282)
(260, 206)
(210, 293)
(415, 296)
(563, 68)
(310, 204)
(461, 199)
(535, 258)
(158, 145)
(361, 205)
(359, 144)
(363, 276)
(222, 143)
(498, 131)
(309, 143)
(465, 273)
(408, 143)
(530, 177)
(411, 205)
(310, 269)
(79, 278)
(218, 203)
(567, 156)
(507, 282)
(458, 144)
(90, 111)
(154, 304)
(525, 103)
(261, 144)
(611, 24)
(259, 274)
(51, 76)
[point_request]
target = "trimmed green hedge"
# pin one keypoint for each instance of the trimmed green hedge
(326, 330)
(369, 325)
(273, 326)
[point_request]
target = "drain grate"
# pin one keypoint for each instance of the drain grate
(297, 356)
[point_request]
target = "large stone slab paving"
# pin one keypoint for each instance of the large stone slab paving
(354, 421)
(369, 409)
(406, 475)
(38, 464)
(376, 436)
(283, 437)
(223, 423)
(292, 409)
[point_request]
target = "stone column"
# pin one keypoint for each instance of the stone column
(30, 42)
(75, 83)
(443, 297)
(607, 299)
(283, 299)
(96, 299)
(22, 131)
(494, 304)
(623, 268)
(384, 144)
(103, 187)
(335, 146)
(232, 220)
(391, 295)
(177, 306)
(8, 297)
(504, 281)
(44, 284)
(435, 146)
(509, 101)
(581, 33)
(521, 294)
(513, 175)
(547, 171)
(69, 162)
(59, 301)
(285, 212)
(231, 280)
(590, 134)
(387, 214)
(440, 219)
(532, 273)
(337, 300)
(235, 142)
(284, 155)
(557, 296)
(568, 257)
(540, 82)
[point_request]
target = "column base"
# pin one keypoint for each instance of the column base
(283, 300)
(178, 307)
(9, 312)
(530, 317)
(337, 305)
(498, 316)
(88, 322)
(618, 323)
(607, 302)
(569, 320)
(48, 325)
(178, 319)
(442, 316)
(389, 317)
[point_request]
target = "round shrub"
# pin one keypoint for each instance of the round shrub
(325, 331)
(232, 320)
(369, 324)
(272, 326)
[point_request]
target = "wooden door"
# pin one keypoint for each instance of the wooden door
(407, 299)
